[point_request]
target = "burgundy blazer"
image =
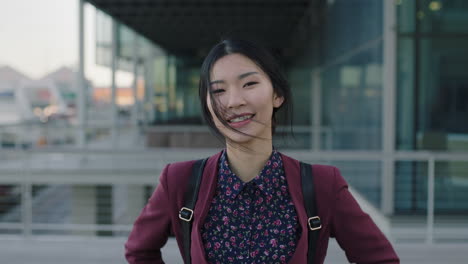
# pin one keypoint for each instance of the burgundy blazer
(341, 216)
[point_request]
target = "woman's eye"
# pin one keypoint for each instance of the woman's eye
(250, 84)
(217, 91)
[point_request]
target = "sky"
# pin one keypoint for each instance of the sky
(40, 36)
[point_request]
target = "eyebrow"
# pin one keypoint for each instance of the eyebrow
(241, 76)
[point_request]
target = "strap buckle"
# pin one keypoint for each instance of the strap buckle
(186, 214)
(314, 223)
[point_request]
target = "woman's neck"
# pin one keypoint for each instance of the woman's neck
(247, 163)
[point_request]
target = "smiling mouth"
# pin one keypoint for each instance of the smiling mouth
(240, 118)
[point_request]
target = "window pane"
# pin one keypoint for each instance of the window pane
(406, 15)
(443, 97)
(405, 94)
(444, 16)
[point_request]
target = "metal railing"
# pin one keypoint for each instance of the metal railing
(30, 172)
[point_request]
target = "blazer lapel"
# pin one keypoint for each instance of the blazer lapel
(205, 196)
(292, 171)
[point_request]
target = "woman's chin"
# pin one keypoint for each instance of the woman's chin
(249, 135)
(245, 140)
(239, 139)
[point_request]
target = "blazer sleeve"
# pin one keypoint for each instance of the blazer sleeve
(152, 227)
(354, 230)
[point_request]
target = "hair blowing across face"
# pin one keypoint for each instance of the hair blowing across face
(263, 59)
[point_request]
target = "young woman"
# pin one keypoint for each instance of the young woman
(250, 207)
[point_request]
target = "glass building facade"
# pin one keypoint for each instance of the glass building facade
(338, 85)
(432, 110)
(344, 59)
(432, 81)
(351, 74)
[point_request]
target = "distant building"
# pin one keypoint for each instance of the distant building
(10, 78)
(24, 98)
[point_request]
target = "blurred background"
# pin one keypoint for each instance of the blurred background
(96, 96)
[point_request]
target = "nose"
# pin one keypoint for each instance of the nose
(235, 98)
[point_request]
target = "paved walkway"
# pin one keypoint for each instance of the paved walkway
(16, 250)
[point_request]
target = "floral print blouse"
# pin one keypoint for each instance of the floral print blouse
(252, 222)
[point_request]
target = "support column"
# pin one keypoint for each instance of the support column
(84, 208)
(316, 111)
(114, 116)
(388, 107)
(83, 202)
(26, 208)
(128, 200)
(136, 200)
(81, 83)
(150, 100)
(134, 115)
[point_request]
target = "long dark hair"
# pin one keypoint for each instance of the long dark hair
(260, 56)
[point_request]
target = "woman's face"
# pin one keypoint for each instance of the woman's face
(244, 97)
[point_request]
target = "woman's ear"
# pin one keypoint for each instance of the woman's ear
(277, 101)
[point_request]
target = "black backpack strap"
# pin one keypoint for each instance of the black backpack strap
(313, 220)
(186, 212)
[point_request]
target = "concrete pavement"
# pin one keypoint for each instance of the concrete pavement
(55, 250)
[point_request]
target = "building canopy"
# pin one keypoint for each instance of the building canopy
(193, 26)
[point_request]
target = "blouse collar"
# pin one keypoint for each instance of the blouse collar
(269, 180)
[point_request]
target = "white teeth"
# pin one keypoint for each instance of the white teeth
(241, 118)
